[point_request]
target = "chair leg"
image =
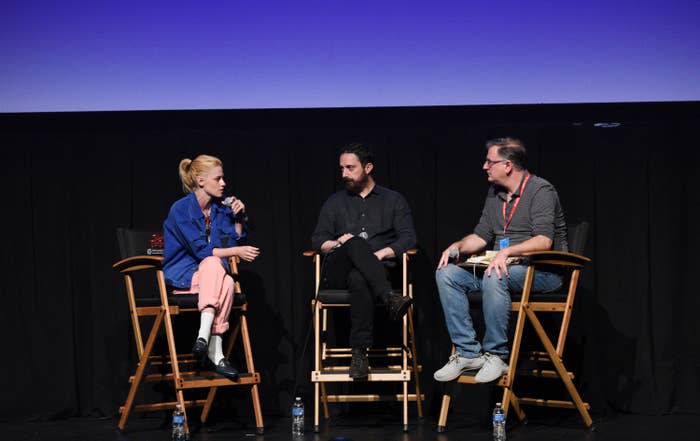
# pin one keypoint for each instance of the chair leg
(517, 340)
(138, 376)
(446, 398)
(414, 363)
(445, 408)
(232, 339)
(181, 401)
(404, 367)
(559, 367)
(316, 407)
(259, 425)
(510, 400)
(322, 351)
(315, 308)
(174, 362)
(207, 404)
(324, 400)
(515, 404)
(405, 406)
(248, 350)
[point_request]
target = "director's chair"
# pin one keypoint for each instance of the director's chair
(331, 364)
(181, 370)
(540, 364)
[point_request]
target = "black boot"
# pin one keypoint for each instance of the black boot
(397, 305)
(359, 365)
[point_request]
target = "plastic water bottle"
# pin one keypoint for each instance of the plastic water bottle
(178, 425)
(298, 417)
(499, 423)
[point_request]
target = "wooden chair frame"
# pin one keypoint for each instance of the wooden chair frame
(182, 380)
(527, 309)
(406, 370)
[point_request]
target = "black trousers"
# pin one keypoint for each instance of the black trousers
(354, 267)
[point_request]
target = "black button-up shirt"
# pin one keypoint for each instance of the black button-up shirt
(384, 215)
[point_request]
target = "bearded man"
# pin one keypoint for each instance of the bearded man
(358, 228)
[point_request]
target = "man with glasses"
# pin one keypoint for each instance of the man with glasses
(521, 214)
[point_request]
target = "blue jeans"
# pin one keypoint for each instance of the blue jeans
(455, 282)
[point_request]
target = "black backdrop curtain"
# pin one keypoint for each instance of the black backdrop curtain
(71, 179)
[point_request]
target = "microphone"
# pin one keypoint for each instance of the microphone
(454, 253)
(228, 201)
(241, 217)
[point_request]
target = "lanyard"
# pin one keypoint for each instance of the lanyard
(506, 221)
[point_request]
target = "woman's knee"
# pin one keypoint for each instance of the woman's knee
(211, 263)
(229, 286)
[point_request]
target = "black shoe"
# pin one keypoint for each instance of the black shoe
(200, 348)
(224, 368)
(398, 305)
(359, 365)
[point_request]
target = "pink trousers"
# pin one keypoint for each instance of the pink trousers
(215, 289)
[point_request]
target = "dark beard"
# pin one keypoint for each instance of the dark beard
(356, 187)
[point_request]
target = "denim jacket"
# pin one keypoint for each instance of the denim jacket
(186, 242)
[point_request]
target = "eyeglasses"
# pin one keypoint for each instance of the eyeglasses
(489, 162)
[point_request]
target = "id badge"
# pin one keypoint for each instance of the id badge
(503, 243)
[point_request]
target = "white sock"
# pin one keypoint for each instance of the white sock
(205, 322)
(216, 353)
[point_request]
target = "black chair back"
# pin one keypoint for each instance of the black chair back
(577, 236)
(134, 242)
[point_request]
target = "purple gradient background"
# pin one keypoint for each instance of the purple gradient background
(86, 55)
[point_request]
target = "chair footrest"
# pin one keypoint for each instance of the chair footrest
(156, 360)
(371, 353)
(162, 377)
(469, 379)
(542, 373)
(375, 374)
(391, 367)
(550, 403)
(371, 397)
(211, 379)
(148, 407)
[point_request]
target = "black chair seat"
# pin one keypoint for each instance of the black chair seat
(184, 300)
(339, 296)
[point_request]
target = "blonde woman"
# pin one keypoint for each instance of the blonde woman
(200, 234)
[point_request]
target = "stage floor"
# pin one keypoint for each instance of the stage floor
(369, 428)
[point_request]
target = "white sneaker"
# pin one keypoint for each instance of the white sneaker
(456, 365)
(492, 370)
